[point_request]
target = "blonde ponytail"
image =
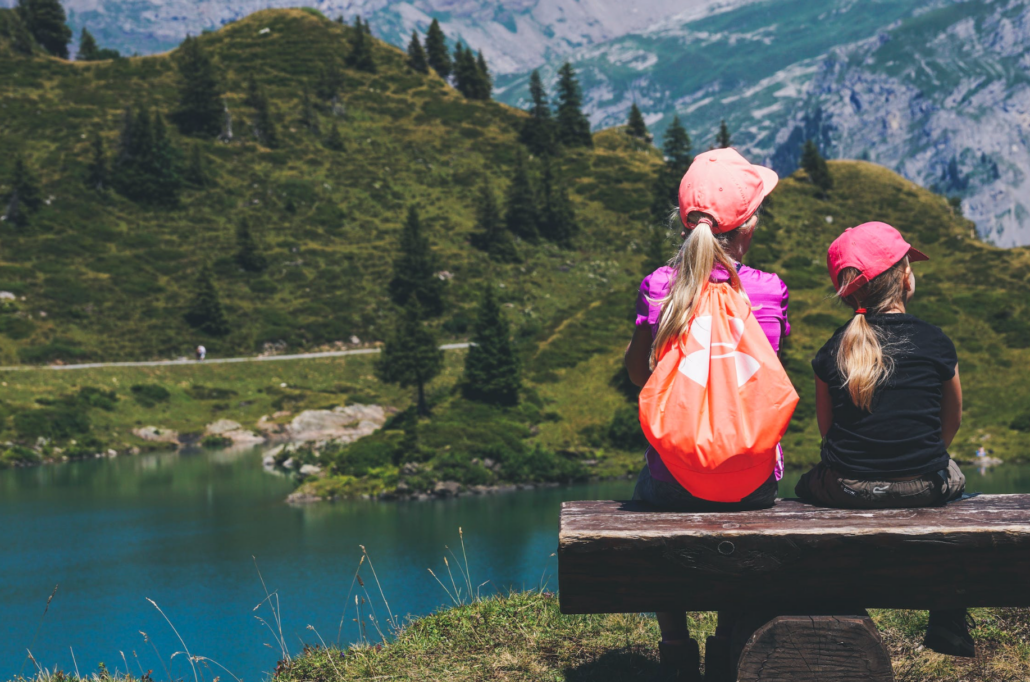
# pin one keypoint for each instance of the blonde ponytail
(701, 251)
(864, 354)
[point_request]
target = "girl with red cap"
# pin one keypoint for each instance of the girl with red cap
(888, 399)
(719, 199)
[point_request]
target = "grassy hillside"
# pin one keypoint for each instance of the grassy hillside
(113, 278)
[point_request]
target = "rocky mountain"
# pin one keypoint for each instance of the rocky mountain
(514, 36)
(938, 91)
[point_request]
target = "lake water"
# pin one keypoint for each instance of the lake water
(182, 530)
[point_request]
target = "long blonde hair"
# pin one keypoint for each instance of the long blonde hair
(864, 354)
(701, 251)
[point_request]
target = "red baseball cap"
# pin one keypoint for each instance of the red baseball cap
(872, 249)
(723, 184)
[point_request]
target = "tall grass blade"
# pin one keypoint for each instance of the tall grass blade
(38, 628)
(189, 656)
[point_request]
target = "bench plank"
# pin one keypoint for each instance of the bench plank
(626, 557)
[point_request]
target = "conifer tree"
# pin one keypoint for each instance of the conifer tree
(200, 109)
(411, 356)
(334, 140)
(557, 217)
(722, 138)
(538, 132)
(414, 271)
(21, 37)
(635, 126)
(360, 56)
(416, 55)
(657, 250)
(205, 310)
(491, 234)
(196, 174)
(573, 125)
(330, 82)
(484, 81)
(815, 165)
(265, 129)
(677, 150)
(248, 256)
(492, 368)
(436, 50)
(96, 171)
(147, 166)
(465, 72)
(46, 21)
(88, 49)
(24, 197)
(308, 115)
(520, 214)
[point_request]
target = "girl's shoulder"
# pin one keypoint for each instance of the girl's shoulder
(657, 284)
(766, 280)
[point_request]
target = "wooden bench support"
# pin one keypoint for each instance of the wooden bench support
(816, 649)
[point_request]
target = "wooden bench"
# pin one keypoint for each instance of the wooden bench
(824, 566)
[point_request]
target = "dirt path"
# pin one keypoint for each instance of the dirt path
(215, 361)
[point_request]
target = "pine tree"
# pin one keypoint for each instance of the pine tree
(538, 131)
(677, 150)
(90, 52)
(520, 214)
(46, 21)
(557, 217)
(492, 368)
(416, 55)
(88, 49)
(200, 109)
(635, 126)
(436, 50)
(466, 74)
(205, 310)
(248, 256)
(196, 174)
(330, 82)
(491, 234)
(573, 125)
(414, 271)
(815, 165)
(722, 138)
(147, 166)
(21, 37)
(24, 197)
(360, 56)
(96, 171)
(411, 355)
(265, 129)
(334, 140)
(308, 115)
(657, 250)
(484, 81)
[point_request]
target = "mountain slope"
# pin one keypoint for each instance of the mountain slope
(936, 91)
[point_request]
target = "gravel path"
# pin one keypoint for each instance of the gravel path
(214, 361)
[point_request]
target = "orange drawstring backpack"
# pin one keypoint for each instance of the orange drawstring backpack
(718, 401)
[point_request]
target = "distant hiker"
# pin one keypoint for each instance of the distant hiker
(888, 399)
(981, 452)
(201, 353)
(708, 330)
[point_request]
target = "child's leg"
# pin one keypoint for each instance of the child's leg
(948, 633)
(673, 625)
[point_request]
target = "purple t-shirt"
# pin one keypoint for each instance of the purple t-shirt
(769, 299)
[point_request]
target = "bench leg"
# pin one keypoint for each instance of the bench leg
(815, 649)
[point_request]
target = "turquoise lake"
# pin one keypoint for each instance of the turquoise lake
(186, 529)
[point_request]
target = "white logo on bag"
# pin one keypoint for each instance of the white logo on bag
(695, 366)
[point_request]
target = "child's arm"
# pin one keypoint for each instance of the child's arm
(638, 356)
(823, 406)
(951, 408)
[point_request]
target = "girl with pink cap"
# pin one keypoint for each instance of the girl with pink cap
(719, 199)
(888, 399)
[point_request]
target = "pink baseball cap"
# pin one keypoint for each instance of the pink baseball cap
(872, 249)
(723, 184)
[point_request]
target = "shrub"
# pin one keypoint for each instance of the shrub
(624, 429)
(149, 395)
(455, 466)
(58, 349)
(53, 423)
(88, 396)
(200, 392)
(1021, 423)
(216, 442)
(17, 455)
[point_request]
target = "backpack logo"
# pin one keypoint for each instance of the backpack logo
(695, 365)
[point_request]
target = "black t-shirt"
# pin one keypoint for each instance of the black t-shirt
(901, 436)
